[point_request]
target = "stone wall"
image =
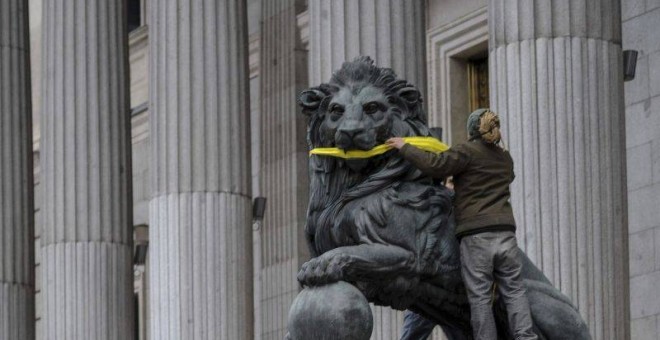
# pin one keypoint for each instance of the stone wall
(641, 21)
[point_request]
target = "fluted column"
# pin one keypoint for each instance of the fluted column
(200, 213)
(17, 320)
(556, 78)
(392, 32)
(284, 161)
(85, 167)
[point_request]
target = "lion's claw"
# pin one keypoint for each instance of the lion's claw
(323, 270)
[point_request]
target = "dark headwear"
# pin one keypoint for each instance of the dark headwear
(484, 124)
(473, 123)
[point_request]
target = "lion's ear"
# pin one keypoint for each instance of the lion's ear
(410, 95)
(310, 100)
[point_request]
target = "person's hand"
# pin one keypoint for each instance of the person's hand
(395, 142)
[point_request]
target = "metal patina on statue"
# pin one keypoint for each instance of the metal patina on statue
(380, 225)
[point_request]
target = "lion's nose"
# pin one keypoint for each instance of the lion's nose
(346, 137)
(351, 132)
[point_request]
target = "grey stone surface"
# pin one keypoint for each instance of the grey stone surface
(642, 122)
(654, 73)
(652, 4)
(656, 248)
(644, 295)
(200, 258)
(645, 202)
(560, 96)
(632, 8)
(642, 254)
(17, 300)
(636, 32)
(379, 223)
(644, 328)
(86, 237)
(640, 170)
(330, 312)
(445, 12)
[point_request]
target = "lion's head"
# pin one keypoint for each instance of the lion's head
(361, 107)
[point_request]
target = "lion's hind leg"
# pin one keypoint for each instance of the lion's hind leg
(553, 314)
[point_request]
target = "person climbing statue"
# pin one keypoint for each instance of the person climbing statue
(485, 226)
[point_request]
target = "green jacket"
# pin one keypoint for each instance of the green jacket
(482, 174)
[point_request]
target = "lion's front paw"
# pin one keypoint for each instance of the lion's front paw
(323, 270)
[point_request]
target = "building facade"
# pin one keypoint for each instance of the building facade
(210, 89)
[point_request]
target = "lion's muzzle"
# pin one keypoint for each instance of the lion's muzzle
(354, 138)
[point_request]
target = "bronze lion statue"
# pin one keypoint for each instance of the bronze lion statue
(381, 225)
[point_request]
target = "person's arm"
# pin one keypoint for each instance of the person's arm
(448, 163)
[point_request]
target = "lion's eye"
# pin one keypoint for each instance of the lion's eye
(371, 108)
(337, 109)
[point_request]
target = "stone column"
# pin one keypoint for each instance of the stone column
(284, 160)
(86, 222)
(17, 320)
(556, 78)
(392, 32)
(200, 212)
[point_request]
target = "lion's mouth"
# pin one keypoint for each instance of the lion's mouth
(362, 142)
(366, 165)
(356, 144)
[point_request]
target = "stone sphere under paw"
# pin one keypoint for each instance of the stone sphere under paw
(330, 312)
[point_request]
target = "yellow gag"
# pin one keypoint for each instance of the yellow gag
(425, 143)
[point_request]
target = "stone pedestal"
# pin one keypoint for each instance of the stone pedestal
(85, 168)
(556, 79)
(200, 233)
(17, 320)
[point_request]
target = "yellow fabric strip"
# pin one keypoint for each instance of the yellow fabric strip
(425, 143)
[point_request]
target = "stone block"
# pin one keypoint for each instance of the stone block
(632, 8)
(38, 192)
(642, 254)
(140, 156)
(38, 215)
(644, 328)
(141, 212)
(642, 125)
(651, 5)
(37, 251)
(644, 295)
(39, 328)
(639, 33)
(637, 90)
(642, 208)
(657, 249)
(639, 166)
(655, 160)
(654, 73)
(137, 188)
